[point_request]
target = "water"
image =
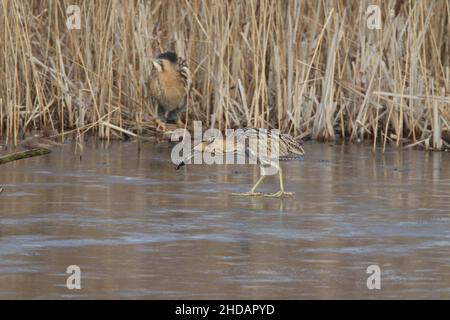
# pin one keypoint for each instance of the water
(138, 228)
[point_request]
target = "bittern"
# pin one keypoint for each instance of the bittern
(169, 85)
(251, 142)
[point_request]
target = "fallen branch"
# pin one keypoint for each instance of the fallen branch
(23, 154)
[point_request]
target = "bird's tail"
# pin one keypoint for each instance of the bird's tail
(291, 146)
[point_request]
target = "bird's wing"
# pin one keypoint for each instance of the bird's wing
(258, 144)
(266, 144)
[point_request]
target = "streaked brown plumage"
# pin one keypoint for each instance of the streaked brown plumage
(169, 84)
(248, 142)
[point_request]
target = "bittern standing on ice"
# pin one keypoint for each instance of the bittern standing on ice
(285, 147)
(169, 84)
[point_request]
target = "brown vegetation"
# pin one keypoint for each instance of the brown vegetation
(311, 68)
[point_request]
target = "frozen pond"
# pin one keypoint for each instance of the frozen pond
(138, 228)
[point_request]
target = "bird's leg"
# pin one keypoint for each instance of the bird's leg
(252, 191)
(281, 192)
(180, 115)
(179, 121)
(160, 118)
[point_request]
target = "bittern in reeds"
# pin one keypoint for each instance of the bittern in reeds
(169, 84)
(252, 142)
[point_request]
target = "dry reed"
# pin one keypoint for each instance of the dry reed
(311, 68)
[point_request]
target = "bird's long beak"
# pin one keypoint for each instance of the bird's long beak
(158, 64)
(183, 162)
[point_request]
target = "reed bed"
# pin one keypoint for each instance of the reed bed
(310, 68)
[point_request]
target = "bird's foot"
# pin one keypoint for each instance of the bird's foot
(247, 194)
(160, 125)
(279, 194)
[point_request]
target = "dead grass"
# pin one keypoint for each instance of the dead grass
(311, 68)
